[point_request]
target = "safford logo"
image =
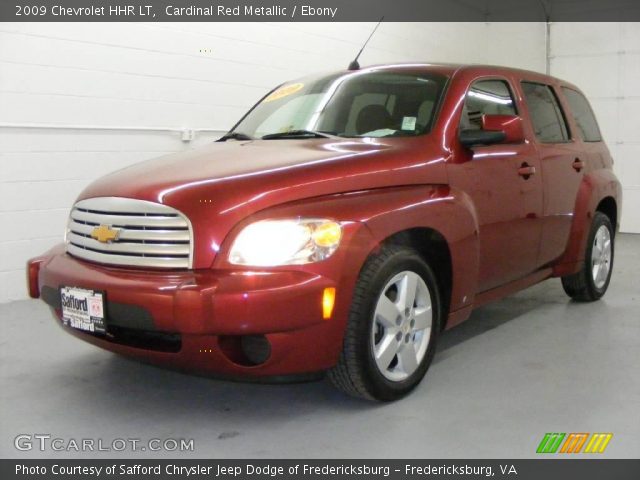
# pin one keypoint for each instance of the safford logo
(105, 234)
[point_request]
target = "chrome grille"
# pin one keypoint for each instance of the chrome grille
(148, 234)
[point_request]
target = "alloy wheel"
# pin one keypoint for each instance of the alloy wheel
(401, 328)
(601, 256)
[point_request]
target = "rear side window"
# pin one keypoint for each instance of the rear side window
(585, 119)
(486, 97)
(546, 115)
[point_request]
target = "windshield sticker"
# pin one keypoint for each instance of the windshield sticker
(284, 91)
(382, 132)
(408, 123)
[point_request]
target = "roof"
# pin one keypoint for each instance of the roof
(455, 68)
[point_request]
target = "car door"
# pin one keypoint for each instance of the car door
(562, 161)
(505, 187)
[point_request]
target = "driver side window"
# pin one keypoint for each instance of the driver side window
(486, 97)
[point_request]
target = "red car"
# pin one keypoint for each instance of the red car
(341, 225)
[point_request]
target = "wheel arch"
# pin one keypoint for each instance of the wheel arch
(440, 223)
(609, 207)
(434, 249)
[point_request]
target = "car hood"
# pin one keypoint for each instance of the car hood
(218, 185)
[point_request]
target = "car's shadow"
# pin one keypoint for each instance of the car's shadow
(494, 315)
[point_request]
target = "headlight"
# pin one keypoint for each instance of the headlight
(270, 243)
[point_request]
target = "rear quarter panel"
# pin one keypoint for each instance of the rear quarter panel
(596, 185)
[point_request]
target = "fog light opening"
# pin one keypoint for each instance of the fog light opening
(328, 302)
(246, 350)
(256, 348)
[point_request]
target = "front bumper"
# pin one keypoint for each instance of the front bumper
(200, 320)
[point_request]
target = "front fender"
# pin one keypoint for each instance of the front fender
(369, 217)
(595, 187)
(375, 215)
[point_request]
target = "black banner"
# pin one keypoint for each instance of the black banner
(547, 469)
(317, 10)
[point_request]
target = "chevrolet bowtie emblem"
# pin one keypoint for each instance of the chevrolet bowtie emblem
(105, 234)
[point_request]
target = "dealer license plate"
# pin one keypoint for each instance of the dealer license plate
(83, 309)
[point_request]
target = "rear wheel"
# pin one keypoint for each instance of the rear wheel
(393, 327)
(592, 281)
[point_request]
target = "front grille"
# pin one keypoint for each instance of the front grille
(148, 234)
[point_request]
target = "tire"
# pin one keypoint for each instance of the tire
(384, 286)
(592, 281)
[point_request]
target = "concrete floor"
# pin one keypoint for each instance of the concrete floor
(532, 363)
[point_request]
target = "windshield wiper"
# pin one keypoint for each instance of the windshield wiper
(235, 136)
(300, 133)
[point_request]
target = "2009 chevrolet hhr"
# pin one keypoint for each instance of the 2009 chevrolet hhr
(341, 225)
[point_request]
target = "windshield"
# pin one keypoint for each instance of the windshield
(356, 104)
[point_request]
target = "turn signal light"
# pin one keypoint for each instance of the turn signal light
(327, 234)
(328, 301)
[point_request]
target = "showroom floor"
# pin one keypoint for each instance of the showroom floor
(532, 363)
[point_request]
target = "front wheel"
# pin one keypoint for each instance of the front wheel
(592, 281)
(393, 327)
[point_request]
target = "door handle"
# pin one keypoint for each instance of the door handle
(577, 164)
(526, 170)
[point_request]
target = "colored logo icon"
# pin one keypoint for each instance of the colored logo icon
(574, 443)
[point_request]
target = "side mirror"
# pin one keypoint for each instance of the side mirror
(511, 125)
(470, 138)
(495, 129)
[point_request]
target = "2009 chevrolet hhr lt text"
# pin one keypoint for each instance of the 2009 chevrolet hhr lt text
(341, 225)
